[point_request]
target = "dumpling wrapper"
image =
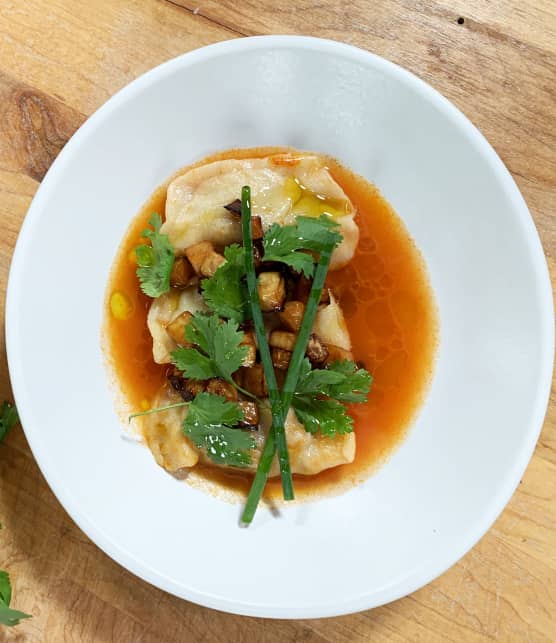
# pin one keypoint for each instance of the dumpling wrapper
(162, 311)
(195, 200)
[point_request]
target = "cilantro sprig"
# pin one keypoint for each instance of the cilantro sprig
(8, 418)
(342, 380)
(289, 244)
(155, 260)
(219, 353)
(210, 423)
(8, 616)
(318, 398)
(225, 292)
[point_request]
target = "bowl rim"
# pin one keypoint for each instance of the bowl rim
(507, 486)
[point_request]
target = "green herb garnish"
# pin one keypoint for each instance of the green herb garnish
(155, 260)
(329, 417)
(219, 353)
(289, 244)
(342, 380)
(8, 616)
(210, 423)
(8, 418)
(225, 292)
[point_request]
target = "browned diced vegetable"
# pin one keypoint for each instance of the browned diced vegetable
(217, 386)
(316, 351)
(257, 228)
(280, 358)
(292, 315)
(176, 328)
(256, 224)
(181, 274)
(187, 388)
(303, 288)
(272, 291)
(204, 259)
(337, 354)
(193, 388)
(252, 379)
(282, 339)
(234, 207)
(249, 341)
(250, 414)
(198, 253)
(211, 264)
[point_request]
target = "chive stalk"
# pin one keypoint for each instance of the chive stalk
(277, 435)
(290, 383)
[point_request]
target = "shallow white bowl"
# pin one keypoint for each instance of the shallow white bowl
(463, 458)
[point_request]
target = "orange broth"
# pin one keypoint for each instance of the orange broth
(390, 313)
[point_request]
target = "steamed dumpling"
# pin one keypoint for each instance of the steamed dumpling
(309, 454)
(163, 310)
(283, 186)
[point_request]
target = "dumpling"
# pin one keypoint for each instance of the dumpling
(165, 309)
(283, 186)
(164, 436)
(309, 454)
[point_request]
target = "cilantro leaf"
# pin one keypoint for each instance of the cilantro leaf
(208, 424)
(283, 243)
(318, 398)
(5, 588)
(330, 417)
(9, 617)
(342, 381)
(155, 261)
(225, 292)
(8, 418)
(220, 352)
(355, 385)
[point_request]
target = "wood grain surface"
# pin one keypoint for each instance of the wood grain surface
(59, 61)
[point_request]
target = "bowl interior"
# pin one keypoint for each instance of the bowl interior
(463, 457)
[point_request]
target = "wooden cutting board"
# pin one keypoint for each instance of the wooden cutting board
(59, 61)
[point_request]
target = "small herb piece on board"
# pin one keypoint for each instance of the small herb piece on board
(211, 424)
(8, 616)
(283, 243)
(219, 353)
(225, 293)
(8, 418)
(155, 261)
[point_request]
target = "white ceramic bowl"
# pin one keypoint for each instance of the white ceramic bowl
(450, 479)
